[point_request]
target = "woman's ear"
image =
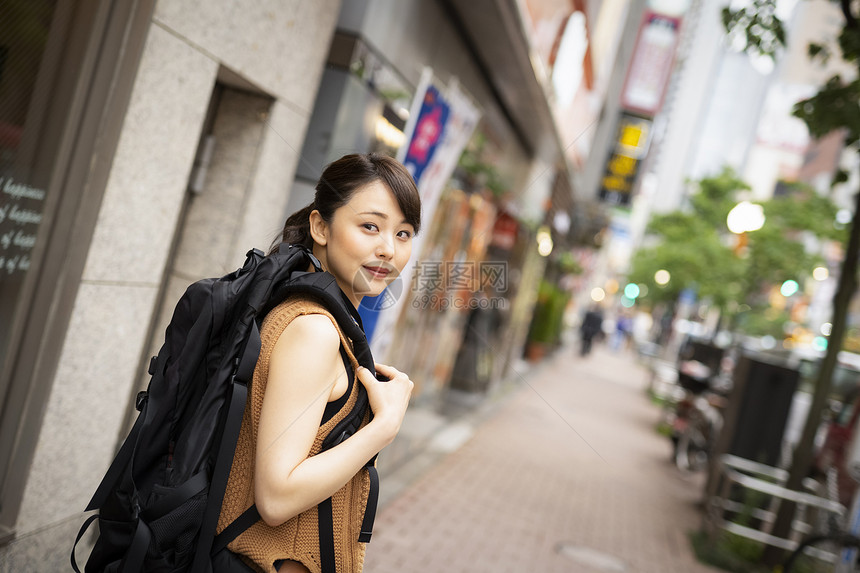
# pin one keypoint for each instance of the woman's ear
(319, 228)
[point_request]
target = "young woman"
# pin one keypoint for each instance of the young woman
(360, 226)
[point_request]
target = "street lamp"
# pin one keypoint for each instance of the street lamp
(820, 273)
(745, 217)
(544, 240)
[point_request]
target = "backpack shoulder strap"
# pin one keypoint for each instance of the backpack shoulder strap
(223, 463)
(345, 341)
(323, 287)
(303, 304)
(308, 305)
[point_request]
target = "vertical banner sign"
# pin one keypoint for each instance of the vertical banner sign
(651, 66)
(631, 145)
(462, 118)
(427, 133)
(441, 122)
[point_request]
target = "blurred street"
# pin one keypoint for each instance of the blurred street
(565, 473)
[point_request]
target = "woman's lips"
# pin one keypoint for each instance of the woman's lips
(378, 272)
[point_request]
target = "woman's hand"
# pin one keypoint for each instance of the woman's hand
(288, 481)
(388, 399)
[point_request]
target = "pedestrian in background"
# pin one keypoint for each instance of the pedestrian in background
(623, 331)
(591, 328)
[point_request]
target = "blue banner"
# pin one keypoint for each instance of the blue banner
(427, 135)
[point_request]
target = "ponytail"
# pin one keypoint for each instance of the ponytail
(297, 230)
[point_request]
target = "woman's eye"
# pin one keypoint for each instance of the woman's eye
(370, 227)
(404, 234)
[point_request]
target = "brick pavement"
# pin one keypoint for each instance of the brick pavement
(566, 470)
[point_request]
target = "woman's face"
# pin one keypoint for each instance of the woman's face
(366, 244)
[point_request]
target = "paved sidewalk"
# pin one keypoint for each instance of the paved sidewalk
(566, 473)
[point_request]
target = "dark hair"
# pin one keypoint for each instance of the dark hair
(339, 182)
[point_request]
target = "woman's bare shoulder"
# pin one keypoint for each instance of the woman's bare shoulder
(309, 333)
(316, 327)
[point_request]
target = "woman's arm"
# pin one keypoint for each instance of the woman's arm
(303, 370)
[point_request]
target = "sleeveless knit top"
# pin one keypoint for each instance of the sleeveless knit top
(297, 539)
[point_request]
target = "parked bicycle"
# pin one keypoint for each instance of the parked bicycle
(697, 418)
(848, 544)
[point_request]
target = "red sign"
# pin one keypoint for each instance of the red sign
(651, 65)
(505, 232)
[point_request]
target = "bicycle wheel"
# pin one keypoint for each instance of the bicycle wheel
(844, 540)
(692, 452)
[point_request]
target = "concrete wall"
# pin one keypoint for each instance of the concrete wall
(278, 46)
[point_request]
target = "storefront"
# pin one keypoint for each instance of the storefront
(66, 70)
(143, 145)
(461, 317)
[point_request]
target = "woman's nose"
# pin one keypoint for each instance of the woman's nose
(385, 248)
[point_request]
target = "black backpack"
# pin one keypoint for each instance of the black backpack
(160, 500)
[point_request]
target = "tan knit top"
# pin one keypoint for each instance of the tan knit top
(297, 539)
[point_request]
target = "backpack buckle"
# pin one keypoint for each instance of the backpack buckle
(315, 262)
(141, 400)
(343, 436)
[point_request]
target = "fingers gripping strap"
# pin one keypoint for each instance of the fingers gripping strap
(370, 510)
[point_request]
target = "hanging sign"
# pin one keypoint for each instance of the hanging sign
(631, 145)
(651, 66)
(441, 121)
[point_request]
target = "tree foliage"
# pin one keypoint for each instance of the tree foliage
(756, 27)
(700, 253)
(835, 107)
(691, 245)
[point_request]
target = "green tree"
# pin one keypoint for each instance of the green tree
(836, 106)
(700, 253)
(776, 251)
(693, 246)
